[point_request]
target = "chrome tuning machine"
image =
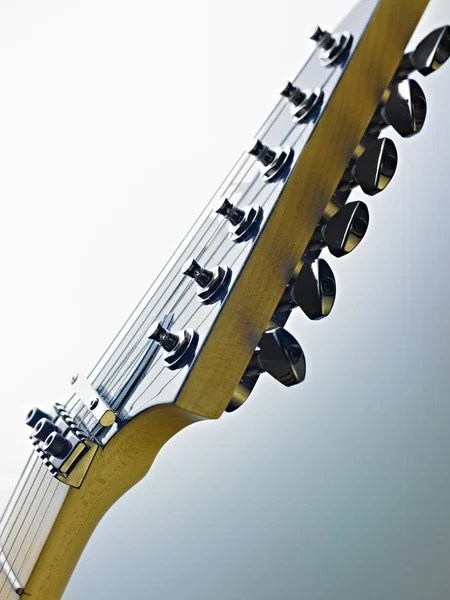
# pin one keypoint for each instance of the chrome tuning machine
(340, 229)
(372, 167)
(303, 102)
(272, 162)
(179, 347)
(430, 54)
(313, 290)
(279, 354)
(333, 46)
(403, 107)
(244, 222)
(212, 285)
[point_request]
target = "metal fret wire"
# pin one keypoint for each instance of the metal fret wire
(278, 109)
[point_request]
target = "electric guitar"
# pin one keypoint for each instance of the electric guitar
(216, 320)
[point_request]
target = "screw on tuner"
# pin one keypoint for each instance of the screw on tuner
(273, 163)
(212, 285)
(334, 47)
(244, 222)
(303, 102)
(279, 354)
(179, 347)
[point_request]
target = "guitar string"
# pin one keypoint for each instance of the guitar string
(32, 455)
(189, 287)
(45, 512)
(9, 552)
(175, 252)
(119, 375)
(13, 564)
(226, 183)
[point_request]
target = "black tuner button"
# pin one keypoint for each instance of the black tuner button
(35, 415)
(180, 347)
(333, 46)
(244, 222)
(57, 445)
(314, 290)
(345, 230)
(273, 162)
(280, 355)
(406, 108)
(372, 167)
(43, 428)
(432, 52)
(213, 284)
(302, 102)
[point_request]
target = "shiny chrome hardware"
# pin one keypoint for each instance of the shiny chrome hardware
(62, 446)
(302, 102)
(35, 415)
(43, 428)
(403, 107)
(97, 406)
(333, 46)
(313, 289)
(8, 572)
(345, 230)
(279, 354)
(430, 54)
(340, 229)
(180, 347)
(57, 445)
(372, 167)
(244, 222)
(273, 162)
(212, 284)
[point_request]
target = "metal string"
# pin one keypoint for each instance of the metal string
(145, 307)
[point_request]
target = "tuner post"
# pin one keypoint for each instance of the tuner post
(273, 162)
(333, 46)
(303, 102)
(162, 336)
(244, 223)
(180, 347)
(213, 284)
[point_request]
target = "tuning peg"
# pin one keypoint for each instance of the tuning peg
(372, 167)
(212, 284)
(273, 162)
(314, 289)
(404, 108)
(180, 347)
(279, 354)
(302, 102)
(345, 230)
(35, 415)
(244, 222)
(333, 46)
(432, 52)
(43, 428)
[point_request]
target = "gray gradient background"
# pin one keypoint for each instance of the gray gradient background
(119, 117)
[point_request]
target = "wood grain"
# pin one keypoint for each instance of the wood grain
(225, 355)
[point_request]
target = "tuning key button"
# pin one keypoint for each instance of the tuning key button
(35, 415)
(302, 102)
(280, 355)
(333, 46)
(314, 290)
(213, 284)
(345, 230)
(43, 428)
(433, 51)
(244, 222)
(57, 445)
(372, 167)
(273, 162)
(406, 108)
(180, 347)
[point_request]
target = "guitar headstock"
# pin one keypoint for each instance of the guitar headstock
(216, 319)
